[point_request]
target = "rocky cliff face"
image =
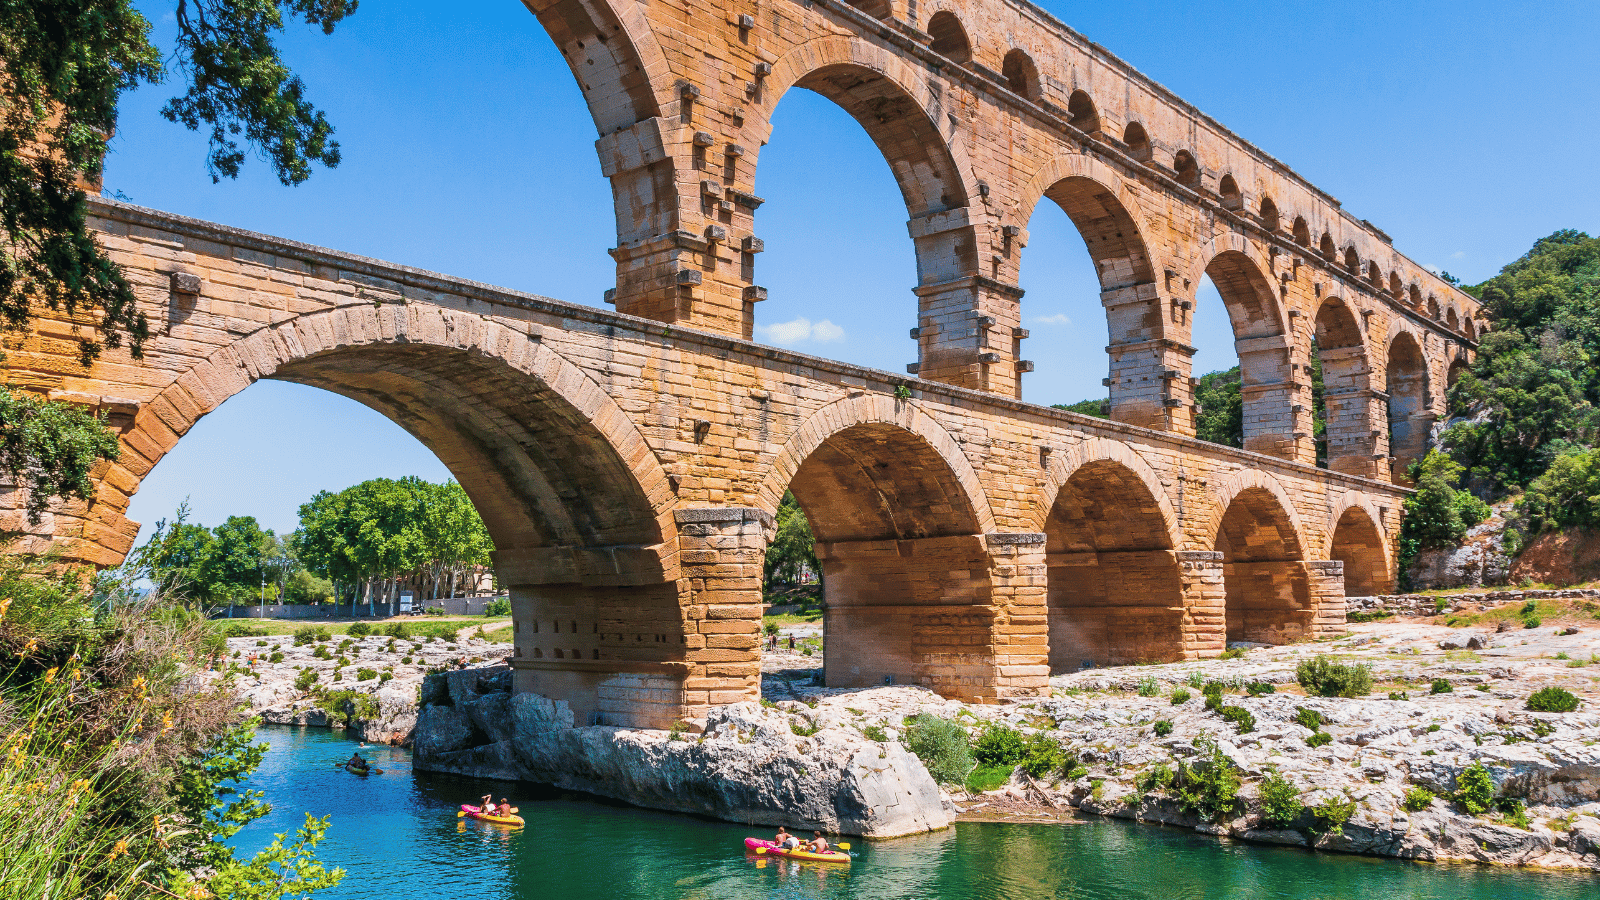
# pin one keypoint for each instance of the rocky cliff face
(750, 764)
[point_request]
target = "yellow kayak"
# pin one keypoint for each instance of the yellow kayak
(474, 812)
(768, 848)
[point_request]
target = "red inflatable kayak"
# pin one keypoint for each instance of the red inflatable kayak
(768, 848)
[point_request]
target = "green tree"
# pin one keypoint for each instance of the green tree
(452, 535)
(49, 449)
(64, 66)
(1438, 514)
(1221, 416)
(1100, 409)
(1567, 493)
(793, 548)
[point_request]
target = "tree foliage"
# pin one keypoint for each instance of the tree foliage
(1438, 515)
(64, 66)
(793, 549)
(1567, 493)
(49, 448)
(1220, 419)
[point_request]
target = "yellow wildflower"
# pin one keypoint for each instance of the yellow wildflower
(166, 721)
(117, 850)
(33, 644)
(51, 675)
(4, 605)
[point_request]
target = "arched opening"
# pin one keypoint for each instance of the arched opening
(1269, 215)
(1433, 308)
(1082, 113)
(1374, 277)
(1344, 429)
(1458, 367)
(1396, 289)
(1302, 232)
(1415, 295)
(1065, 287)
(949, 37)
(1352, 261)
(901, 557)
(1260, 342)
(1469, 329)
(1358, 543)
(1451, 320)
(1021, 75)
(1137, 141)
(1410, 419)
(815, 152)
(1114, 596)
(1186, 170)
(1328, 250)
(1268, 600)
(1228, 190)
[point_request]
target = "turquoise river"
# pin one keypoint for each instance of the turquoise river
(397, 836)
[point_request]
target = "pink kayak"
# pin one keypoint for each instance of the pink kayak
(752, 845)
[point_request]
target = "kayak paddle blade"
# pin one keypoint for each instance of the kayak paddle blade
(761, 851)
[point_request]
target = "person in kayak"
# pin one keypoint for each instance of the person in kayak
(781, 838)
(486, 805)
(504, 810)
(356, 762)
(820, 845)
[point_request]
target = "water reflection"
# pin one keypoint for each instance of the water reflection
(398, 836)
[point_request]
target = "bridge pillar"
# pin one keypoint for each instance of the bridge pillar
(639, 636)
(1357, 441)
(1150, 373)
(1278, 418)
(1325, 589)
(969, 326)
(1205, 602)
(961, 615)
(1268, 601)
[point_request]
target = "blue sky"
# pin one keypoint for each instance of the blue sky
(1465, 130)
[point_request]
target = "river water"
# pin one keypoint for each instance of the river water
(397, 836)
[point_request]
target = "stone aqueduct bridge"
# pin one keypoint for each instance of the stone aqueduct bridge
(628, 464)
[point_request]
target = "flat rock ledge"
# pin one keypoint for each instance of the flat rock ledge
(749, 765)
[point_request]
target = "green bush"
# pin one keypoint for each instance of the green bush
(1196, 680)
(1568, 493)
(1280, 801)
(365, 674)
(303, 635)
(1149, 687)
(240, 629)
(1332, 814)
(321, 653)
(1163, 727)
(1532, 622)
(1325, 678)
(998, 745)
(320, 633)
(500, 606)
(305, 679)
(1310, 718)
(942, 745)
(1155, 779)
(771, 629)
(1552, 700)
(276, 657)
(1233, 653)
(397, 630)
(1438, 514)
(874, 733)
(1417, 799)
(1209, 787)
(1475, 789)
(1260, 688)
(358, 629)
(1320, 739)
(1240, 717)
(1042, 756)
(1441, 686)
(1180, 696)
(1399, 695)
(1514, 811)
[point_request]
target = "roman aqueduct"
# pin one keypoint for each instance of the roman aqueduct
(628, 464)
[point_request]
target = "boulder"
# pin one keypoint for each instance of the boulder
(1466, 640)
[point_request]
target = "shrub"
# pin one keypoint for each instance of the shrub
(276, 657)
(345, 645)
(305, 679)
(1441, 686)
(1280, 801)
(1552, 700)
(1325, 678)
(1399, 695)
(1149, 687)
(771, 629)
(397, 630)
(1210, 786)
(365, 674)
(1042, 756)
(1320, 739)
(1310, 718)
(405, 660)
(1163, 727)
(320, 633)
(1514, 811)
(675, 733)
(303, 635)
(1154, 779)
(359, 629)
(1234, 653)
(321, 653)
(240, 629)
(446, 633)
(804, 727)
(998, 745)
(1258, 688)
(1180, 696)
(1240, 717)
(942, 746)
(872, 732)
(1475, 789)
(1417, 799)
(1333, 812)
(1196, 680)
(1532, 622)
(261, 643)
(500, 606)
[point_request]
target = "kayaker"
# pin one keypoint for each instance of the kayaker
(356, 762)
(486, 805)
(505, 809)
(820, 845)
(790, 842)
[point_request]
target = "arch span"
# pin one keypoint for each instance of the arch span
(1114, 592)
(1355, 539)
(1268, 597)
(1350, 407)
(1410, 410)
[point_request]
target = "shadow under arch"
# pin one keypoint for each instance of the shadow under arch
(1261, 339)
(1356, 540)
(901, 543)
(1114, 590)
(1268, 597)
(579, 516)
(1410, 412)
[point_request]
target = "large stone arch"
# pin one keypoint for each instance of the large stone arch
(1410, 407)
(1243, 277)
(1268, 596)
(1355, 537)
(1114, 593)
(579, 509)
(1351, 407)
(611, 49)
(905, 559)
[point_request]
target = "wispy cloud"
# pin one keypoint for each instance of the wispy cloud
(1459, 254)
(1057, 319)
(798, 331)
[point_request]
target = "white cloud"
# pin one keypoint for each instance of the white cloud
(1459, 254)
(799, 330)
(1057, 319)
